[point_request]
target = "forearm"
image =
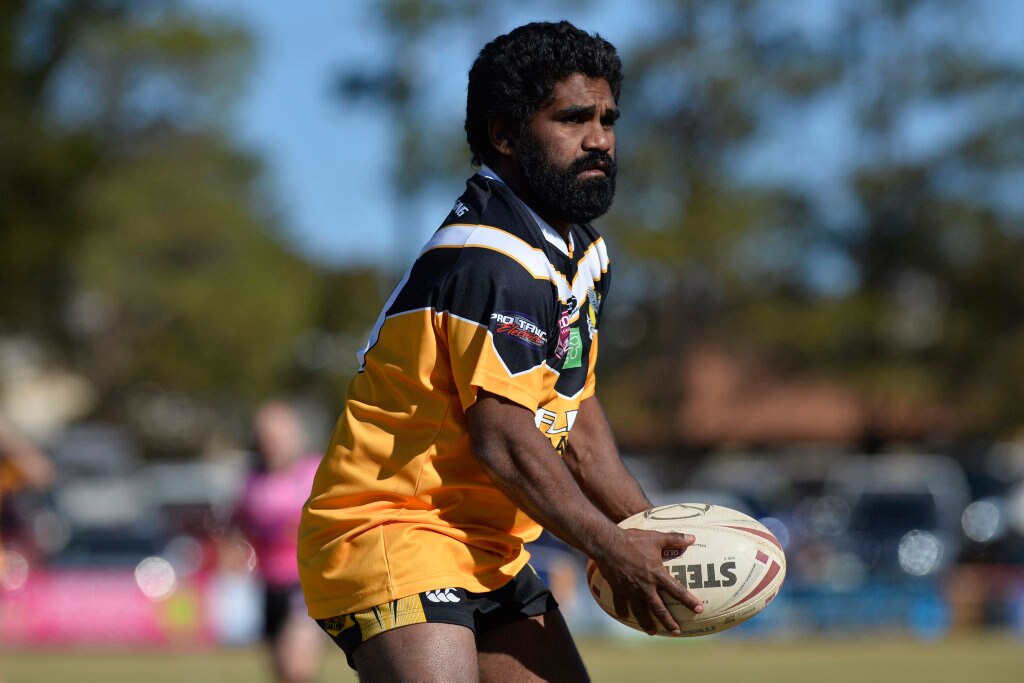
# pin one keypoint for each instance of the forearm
(593, 459)
(525, 467)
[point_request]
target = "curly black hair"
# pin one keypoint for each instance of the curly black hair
(515, 74)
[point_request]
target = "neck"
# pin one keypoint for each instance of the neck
(515, 181)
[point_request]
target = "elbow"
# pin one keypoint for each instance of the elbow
(493, 458)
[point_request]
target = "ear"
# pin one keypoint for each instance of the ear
(501, 136)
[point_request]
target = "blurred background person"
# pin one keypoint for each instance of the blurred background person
(22, 465)
(267, 515)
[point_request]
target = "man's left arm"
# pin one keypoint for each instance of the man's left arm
(593, 459)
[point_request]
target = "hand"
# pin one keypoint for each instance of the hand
(634, 570)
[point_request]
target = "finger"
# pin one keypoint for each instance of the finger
(662, 613)
(643, 615)
(621, 604)
(677, 540)
(676, 590)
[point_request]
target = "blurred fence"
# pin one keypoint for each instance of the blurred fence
(126, 554)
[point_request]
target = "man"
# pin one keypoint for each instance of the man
(454, 446)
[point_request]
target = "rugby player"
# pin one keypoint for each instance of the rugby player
(473, 421)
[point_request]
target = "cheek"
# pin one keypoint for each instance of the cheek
(565, 149)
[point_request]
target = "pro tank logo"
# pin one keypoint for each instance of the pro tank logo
(520, 328)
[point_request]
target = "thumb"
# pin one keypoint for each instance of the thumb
(677, 540)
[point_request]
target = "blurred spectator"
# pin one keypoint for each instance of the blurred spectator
(21, 465)
(268, 515)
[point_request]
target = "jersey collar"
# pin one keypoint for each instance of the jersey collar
(550, 234)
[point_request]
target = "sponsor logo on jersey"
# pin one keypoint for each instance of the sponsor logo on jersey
(556, 423)
(564, 319)
(574, 355)
(520, 328)
(459, 208)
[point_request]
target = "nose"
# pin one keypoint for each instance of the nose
(598, 137)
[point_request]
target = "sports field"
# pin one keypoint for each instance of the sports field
(975, 659)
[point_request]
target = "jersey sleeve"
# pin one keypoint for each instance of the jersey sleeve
(498, 322)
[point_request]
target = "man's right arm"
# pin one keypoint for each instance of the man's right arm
(525, 467)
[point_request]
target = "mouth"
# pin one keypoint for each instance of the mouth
(597, 170)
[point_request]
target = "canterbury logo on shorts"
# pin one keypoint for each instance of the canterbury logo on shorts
(442, 595)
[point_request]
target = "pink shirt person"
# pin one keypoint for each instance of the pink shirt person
(268, 515)
(270, 506)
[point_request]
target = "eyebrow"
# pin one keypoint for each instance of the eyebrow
(581, 110)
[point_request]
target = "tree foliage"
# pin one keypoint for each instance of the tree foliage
(888, 264)
(136, 237)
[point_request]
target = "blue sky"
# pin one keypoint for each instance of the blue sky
(329, 161)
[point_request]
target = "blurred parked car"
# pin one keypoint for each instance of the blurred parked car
(899, 513)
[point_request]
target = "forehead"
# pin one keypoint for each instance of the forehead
(579, 90)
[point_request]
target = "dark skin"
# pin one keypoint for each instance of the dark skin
(524, 465)
(579, 119)
(579, 498)
(593, 488)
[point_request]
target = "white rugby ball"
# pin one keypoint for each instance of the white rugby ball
(735, 566)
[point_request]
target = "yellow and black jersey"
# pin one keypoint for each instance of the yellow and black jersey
(497, 300)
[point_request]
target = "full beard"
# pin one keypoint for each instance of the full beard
(560, 192)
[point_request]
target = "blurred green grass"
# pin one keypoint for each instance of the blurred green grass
(983, 658)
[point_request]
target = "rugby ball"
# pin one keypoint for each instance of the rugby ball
(735, 566)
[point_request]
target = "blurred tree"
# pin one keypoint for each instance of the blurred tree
(134, 234)
(401, 82)
(880, 252)
(39, 166)
(349, 301)
(179, 283)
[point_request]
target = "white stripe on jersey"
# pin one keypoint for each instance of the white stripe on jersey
(550, 234)
(534, 260)
(591, 267)
(375, 332)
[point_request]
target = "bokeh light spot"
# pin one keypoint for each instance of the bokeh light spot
(156, 578)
